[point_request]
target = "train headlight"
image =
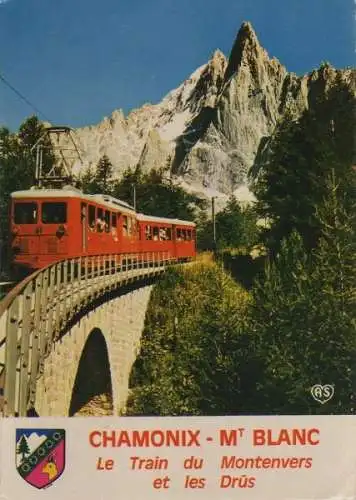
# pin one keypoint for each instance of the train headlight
(61, 231)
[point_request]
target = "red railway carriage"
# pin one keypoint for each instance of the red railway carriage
(48, 225)
(167, 235)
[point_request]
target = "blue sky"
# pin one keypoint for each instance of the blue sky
(78, 60)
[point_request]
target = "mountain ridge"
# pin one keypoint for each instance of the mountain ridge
(209, 131)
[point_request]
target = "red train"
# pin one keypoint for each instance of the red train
(48, 225)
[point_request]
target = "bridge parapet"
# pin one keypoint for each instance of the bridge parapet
(36, 313)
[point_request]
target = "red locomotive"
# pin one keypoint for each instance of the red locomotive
(55, 221)
(48, 225)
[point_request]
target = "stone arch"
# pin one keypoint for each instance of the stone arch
(93, 377)
(115, 326)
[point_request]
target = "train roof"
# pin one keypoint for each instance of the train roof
(164, 220)
(108, 201)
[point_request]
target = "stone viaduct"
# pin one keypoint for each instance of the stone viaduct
(72, 331)
(94, 357)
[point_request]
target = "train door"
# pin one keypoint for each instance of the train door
(54, 229)
(84, 225)
(91, 235)
(174, 241)
(26, 227)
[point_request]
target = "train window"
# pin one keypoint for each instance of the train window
(148, 233)
(91, 219)
(113, 220)
(179, 234)
(107, 221)
(83, 211)
(168, 233)
(129, 225)
(25, 213)
(125, 226)
(184, 234)
(189, 234)
(100, 222)
(54, 213)
(155, 233)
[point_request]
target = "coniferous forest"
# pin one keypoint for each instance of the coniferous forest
(268, 310)
(258, 343)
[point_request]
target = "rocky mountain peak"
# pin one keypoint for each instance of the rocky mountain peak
(245, 48)
(210, 82)
(218, 60)
(214, 126)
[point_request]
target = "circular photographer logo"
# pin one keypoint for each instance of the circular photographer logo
(322, 393)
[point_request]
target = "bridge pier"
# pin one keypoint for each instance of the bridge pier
(102, 346)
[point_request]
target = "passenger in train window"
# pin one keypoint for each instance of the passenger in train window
(91, 220)
(107, 221)
(100, 221)
(100, 225)
(125, 226)
(162, 234)
(148, 233)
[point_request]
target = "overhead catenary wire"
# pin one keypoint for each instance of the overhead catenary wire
(24, 98)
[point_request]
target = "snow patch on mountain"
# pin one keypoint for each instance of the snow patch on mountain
(175, 126)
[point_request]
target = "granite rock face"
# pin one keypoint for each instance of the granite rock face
(212, 129)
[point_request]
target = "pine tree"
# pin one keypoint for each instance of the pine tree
(278, 326)
(303, 316)
(123, 189)
(29, 133)
(302, 154)
(23, 447)
(204, 231)
(235, 226)
(87, 181)
(18, 163)
(103, 175)
(333, 288)
(156, 195)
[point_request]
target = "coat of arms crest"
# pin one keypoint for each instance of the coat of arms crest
(40, 455)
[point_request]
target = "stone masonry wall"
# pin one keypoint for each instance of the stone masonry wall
(121, 322)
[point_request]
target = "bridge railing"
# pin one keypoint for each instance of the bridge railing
(36, 312)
